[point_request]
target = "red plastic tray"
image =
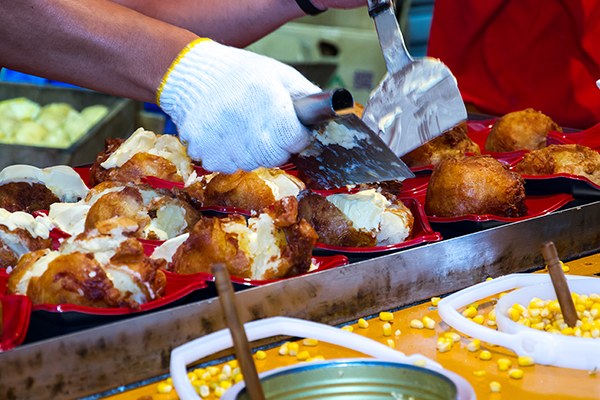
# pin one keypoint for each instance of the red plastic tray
(16, 310)
(322, 263)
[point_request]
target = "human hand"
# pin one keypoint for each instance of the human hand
(233, 108)
(341, 4)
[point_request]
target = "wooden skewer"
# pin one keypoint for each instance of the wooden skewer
(563, 293)
(240, 340)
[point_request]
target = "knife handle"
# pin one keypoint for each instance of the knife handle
(322, 107)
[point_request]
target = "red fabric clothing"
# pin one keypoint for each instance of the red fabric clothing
(511, 55)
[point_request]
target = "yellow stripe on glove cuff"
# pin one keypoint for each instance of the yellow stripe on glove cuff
(182, 54)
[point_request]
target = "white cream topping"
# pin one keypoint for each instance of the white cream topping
(62, 180)
(281, 184)
(339, 134)
(143, 141)
(69, 217)
(167, 250)
(123, 279)
(37, 227)
(370, 210)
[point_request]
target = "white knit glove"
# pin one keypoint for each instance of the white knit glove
(233, 108)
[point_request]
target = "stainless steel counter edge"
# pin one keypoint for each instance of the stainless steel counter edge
(96, 360)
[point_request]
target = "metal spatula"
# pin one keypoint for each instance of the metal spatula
(418, 99)
(331, 165)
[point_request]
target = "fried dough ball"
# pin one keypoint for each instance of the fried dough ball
(275, 244)
(28, 197)
(103, 267)
(371, 217)
(520, 130)
(477, 185)
(21, 233)
(159, 214)
(250, 191)
(451, 144)
(566, 158)
(143, 154)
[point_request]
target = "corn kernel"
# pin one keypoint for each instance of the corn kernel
(213, 371)
(586, 335)
(491, 323)
(492, 315)
(164, 387)
(526, 361)
(478, 319)
(420, 363)
(316, 358)
(495, 387)
(489, 278)
(504, 364)
(415, 323)
(470, 312)
(310, 342)
(192, 376)
(397, 333)
(293, 349)
(238, 378)
(205, 376)
(362, 323)
(199, 372)
(303, 355)
(391, 343)
(348, 328)
(226, 370)
(513, 314)
(515, 373)
(539, 326)
(428, 323)
(475, 345)
(284, 350)
(501, 295)
(479, 373)
(443, 346)
(444, 339)
(197, 383)
(219, 391)
(485, 355)
(386, 316)
(567, 331)
(261, 355)
(204, 391)
(519, 308)
(225, 384)
(387, 329)
(475, 305)
(452, 335)
(434, 301)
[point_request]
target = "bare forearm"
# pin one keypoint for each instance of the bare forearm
(232, 22)
(91, 43)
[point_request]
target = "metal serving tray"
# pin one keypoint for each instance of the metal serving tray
(100, 359)
(118, 123)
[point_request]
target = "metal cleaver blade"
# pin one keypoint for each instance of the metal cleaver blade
(364, 158)
(418, 99)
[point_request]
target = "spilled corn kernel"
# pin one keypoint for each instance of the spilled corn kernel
(435, 301)
(479, 373)
(387, 329)
(386, 316)
(310, 342)
(293, 349)
(261, 355)
(444, 344)
(475, 345)
(303, 356)
(470, 312)
(284, 349)
(428, 323)
(495, 387)
(420, 363)
(415, 323)
(453, 335)
(485, 355)
(504, 364)
(526, 361)
(391, 343)
(164, 387)
(515, 373)
(478, 319)
(362, 323)
(348, 328)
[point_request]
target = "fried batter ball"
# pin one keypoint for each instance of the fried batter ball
(158, 212)
(520, 130)
(250, 191)
(275, 244)
(103, 267)
(566, 158)
(476, 185)
(21, 233)
(451, 144)
(371, 217)
(143, 154)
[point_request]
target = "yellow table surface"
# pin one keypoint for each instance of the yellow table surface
(539, 381)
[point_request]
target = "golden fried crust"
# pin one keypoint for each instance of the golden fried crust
(98, 173)
(330, 223)
(475, 185)
(567, 158)
(520, 130)
(9, 257)
(75, 278)
(451, 144)
(192, 215)
(22, 196)
(209, 244)
(125, 203)
(245, 190)
(24, 265)
(146, 270)
(193, 194)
